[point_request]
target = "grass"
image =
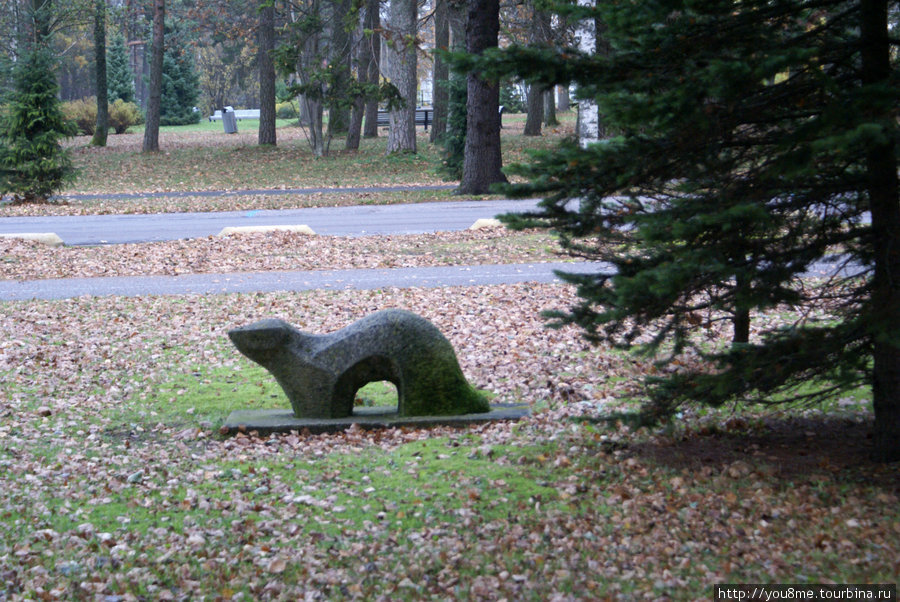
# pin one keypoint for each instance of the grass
(439, 514)
(197, 395)
(204, 125)
(109, 498)
(201, 157)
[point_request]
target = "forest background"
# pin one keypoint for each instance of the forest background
(218, 40)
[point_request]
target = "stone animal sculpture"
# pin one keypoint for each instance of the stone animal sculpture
(320, 374)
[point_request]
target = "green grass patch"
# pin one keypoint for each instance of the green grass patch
(204, 125)
(206, 394)
(196, 395)
(434, 481)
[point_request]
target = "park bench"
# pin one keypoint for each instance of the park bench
(423, 117)
(239, 114)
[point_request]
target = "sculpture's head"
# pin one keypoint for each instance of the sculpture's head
(260, 340)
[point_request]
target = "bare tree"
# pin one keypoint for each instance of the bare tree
(151, 128)
(267, 73)
(401, 67)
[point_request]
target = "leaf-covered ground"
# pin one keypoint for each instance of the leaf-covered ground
(274, 251)
(103, 498)
(213, 161)
(116, 485)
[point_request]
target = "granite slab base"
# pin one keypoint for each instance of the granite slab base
(283, 420)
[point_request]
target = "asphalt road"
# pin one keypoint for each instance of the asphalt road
(246, 282)
(338, 221)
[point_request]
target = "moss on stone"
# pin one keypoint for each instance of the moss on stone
(321, 374)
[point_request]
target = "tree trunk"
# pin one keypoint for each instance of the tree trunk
(354, 130)
(361, 58)
(589, 34)
(534, 107)
(550, 119)
(151, 127)
(458, 11)
(740, 317)
(441, 73)
(373, 24)
(884, 197)
(536, 99)
(402, 73)
(339, 112)
(266, 74)
(303, 109)
(564, 103)
(482, 163)
(102, 127)
(316, 112)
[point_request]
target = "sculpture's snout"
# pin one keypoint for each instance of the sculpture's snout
(264, 335)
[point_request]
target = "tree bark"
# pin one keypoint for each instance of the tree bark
(482, 163)
(373, 71)
(402, 73)
(361, 57)
(536, 99)
(102, 127)
(267, 115)
(339, 46)
(884, 197)
(589, 34)
(740, 317)
(458, 10)
(534, 107)
(151, 127)
(441, 73)
(564, 103)
(550, 119)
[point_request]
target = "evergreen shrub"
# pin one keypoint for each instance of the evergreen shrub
(180, 88)
(120, 78)
(33, 163)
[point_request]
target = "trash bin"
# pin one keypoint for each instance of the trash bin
(229, 121)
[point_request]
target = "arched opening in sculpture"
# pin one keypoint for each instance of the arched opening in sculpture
(381, 394)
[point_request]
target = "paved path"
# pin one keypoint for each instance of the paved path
(181, 194)
(245, 282)
(417, 218)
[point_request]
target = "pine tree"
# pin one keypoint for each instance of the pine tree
(754, 139)
(119, 77)
(33, 164)
(180, 87)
